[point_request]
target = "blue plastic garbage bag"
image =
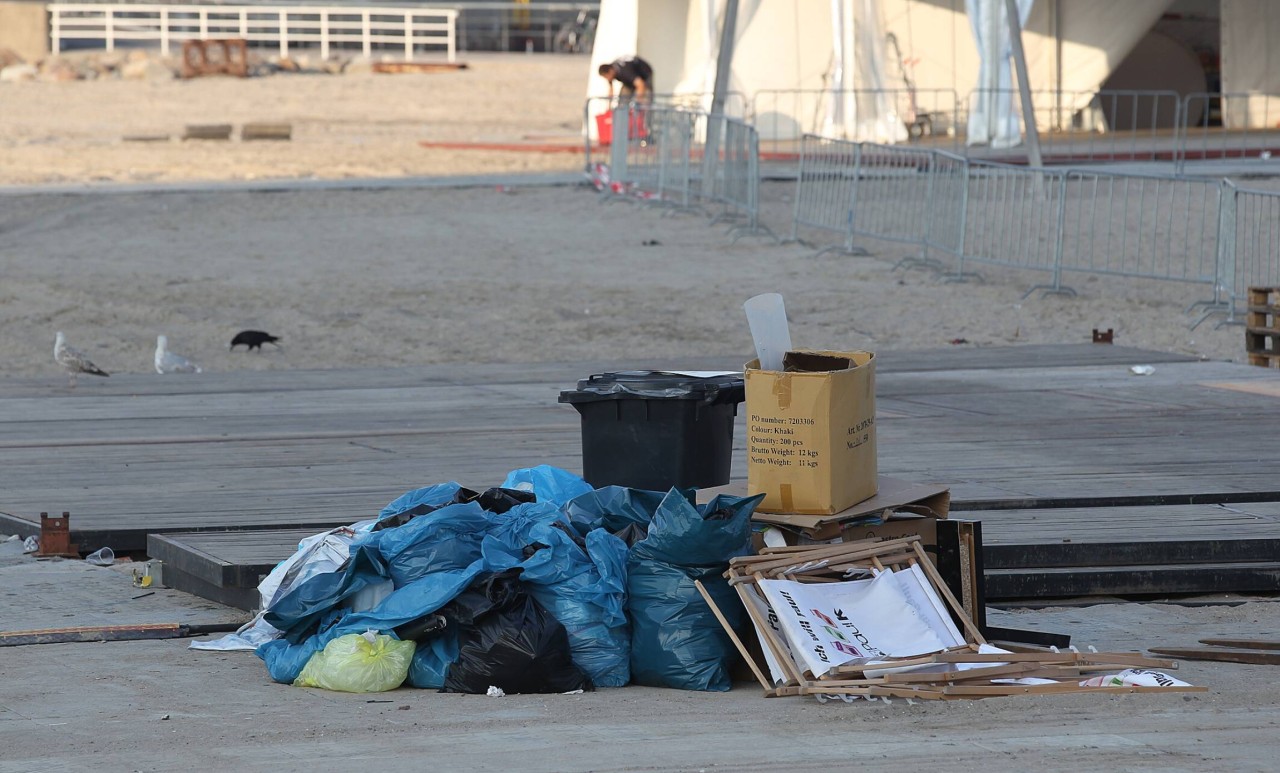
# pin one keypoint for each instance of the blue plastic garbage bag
(582, 583)
(676, 640)
(432, 660)
(614, 508)
(551, 484)
(444, 540)
(299, 610)
(285, 659)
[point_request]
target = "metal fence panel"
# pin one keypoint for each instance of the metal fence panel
(824, 187)
(1118, 125)
(784, 116)
(891, 193)
(1138, 226)
(741, 170)
(1255, 244)
(1013, 218)
(1229, 126)
(948, 202)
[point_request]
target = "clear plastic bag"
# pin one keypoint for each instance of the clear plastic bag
(367, 662)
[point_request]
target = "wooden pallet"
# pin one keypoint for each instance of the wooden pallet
(1262, 327)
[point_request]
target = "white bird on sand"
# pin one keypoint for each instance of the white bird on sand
(168, 362)
(75, 362)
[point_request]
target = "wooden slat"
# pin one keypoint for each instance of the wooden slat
(270, 450)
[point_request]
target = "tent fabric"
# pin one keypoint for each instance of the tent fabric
(1250, 33)
(993, 118)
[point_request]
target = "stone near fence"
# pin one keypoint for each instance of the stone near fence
(9, 57)
(145, 70)
(18, 72)
(58, 70)
(359, 66)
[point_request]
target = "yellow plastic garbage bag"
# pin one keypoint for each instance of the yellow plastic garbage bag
(359, 662)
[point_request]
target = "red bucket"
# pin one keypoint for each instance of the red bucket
(604, 126)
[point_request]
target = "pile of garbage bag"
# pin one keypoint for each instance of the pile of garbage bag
(540, 585)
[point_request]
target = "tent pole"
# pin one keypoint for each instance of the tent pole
(1024, 85)
(724, 63)
(724, 60)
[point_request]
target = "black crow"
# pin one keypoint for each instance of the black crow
(253, 339)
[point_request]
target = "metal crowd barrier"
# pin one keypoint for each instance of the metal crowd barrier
(1054, 221)
(735, 105)
(784, 116)
(659, 155)
(1142, 226)
(891, 193)
(825, 188)
(1113, 125)
(1250, 246)
(1013, 218)
(1228, 126)
(732, 177)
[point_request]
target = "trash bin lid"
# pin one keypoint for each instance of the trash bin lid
(658, 385)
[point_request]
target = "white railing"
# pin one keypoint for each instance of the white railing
(401, 30)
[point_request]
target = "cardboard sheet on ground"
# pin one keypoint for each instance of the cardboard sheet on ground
(890, 615)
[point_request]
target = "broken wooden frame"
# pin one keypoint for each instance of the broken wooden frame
(925, 676)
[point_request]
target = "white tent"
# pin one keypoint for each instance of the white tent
(826, 47)
(1251, 63)
(923, 52)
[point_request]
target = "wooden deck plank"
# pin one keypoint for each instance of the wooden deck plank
(273, 449)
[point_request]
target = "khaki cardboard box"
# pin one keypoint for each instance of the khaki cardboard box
(811, 436)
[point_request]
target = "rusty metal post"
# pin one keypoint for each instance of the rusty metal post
(55, 537)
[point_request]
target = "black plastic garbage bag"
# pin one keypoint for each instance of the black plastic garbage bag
(676, 640)
(506, 640)
(499, 500)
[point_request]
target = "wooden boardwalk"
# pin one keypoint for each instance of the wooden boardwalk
(1010, 430)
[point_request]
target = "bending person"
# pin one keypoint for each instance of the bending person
(635, 75)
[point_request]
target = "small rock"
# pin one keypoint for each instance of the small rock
(358, 67)
(145, 70)
(59, 71)
(9, 57)
(286, 64)
(18, 72)
(402, 708)
(166, 716)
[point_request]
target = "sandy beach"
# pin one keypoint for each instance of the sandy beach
(399, 276)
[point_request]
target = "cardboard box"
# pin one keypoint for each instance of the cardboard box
(811, 436)
(916, 508)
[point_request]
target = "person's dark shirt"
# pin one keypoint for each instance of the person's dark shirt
(627, 70)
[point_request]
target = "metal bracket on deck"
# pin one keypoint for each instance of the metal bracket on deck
(55, 537)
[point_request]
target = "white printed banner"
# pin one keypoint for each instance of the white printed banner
(830, 624)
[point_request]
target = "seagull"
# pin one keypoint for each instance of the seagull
(168, 362)
(72, 360)
(253, 339)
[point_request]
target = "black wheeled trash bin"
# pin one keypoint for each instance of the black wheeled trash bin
(652, 430)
